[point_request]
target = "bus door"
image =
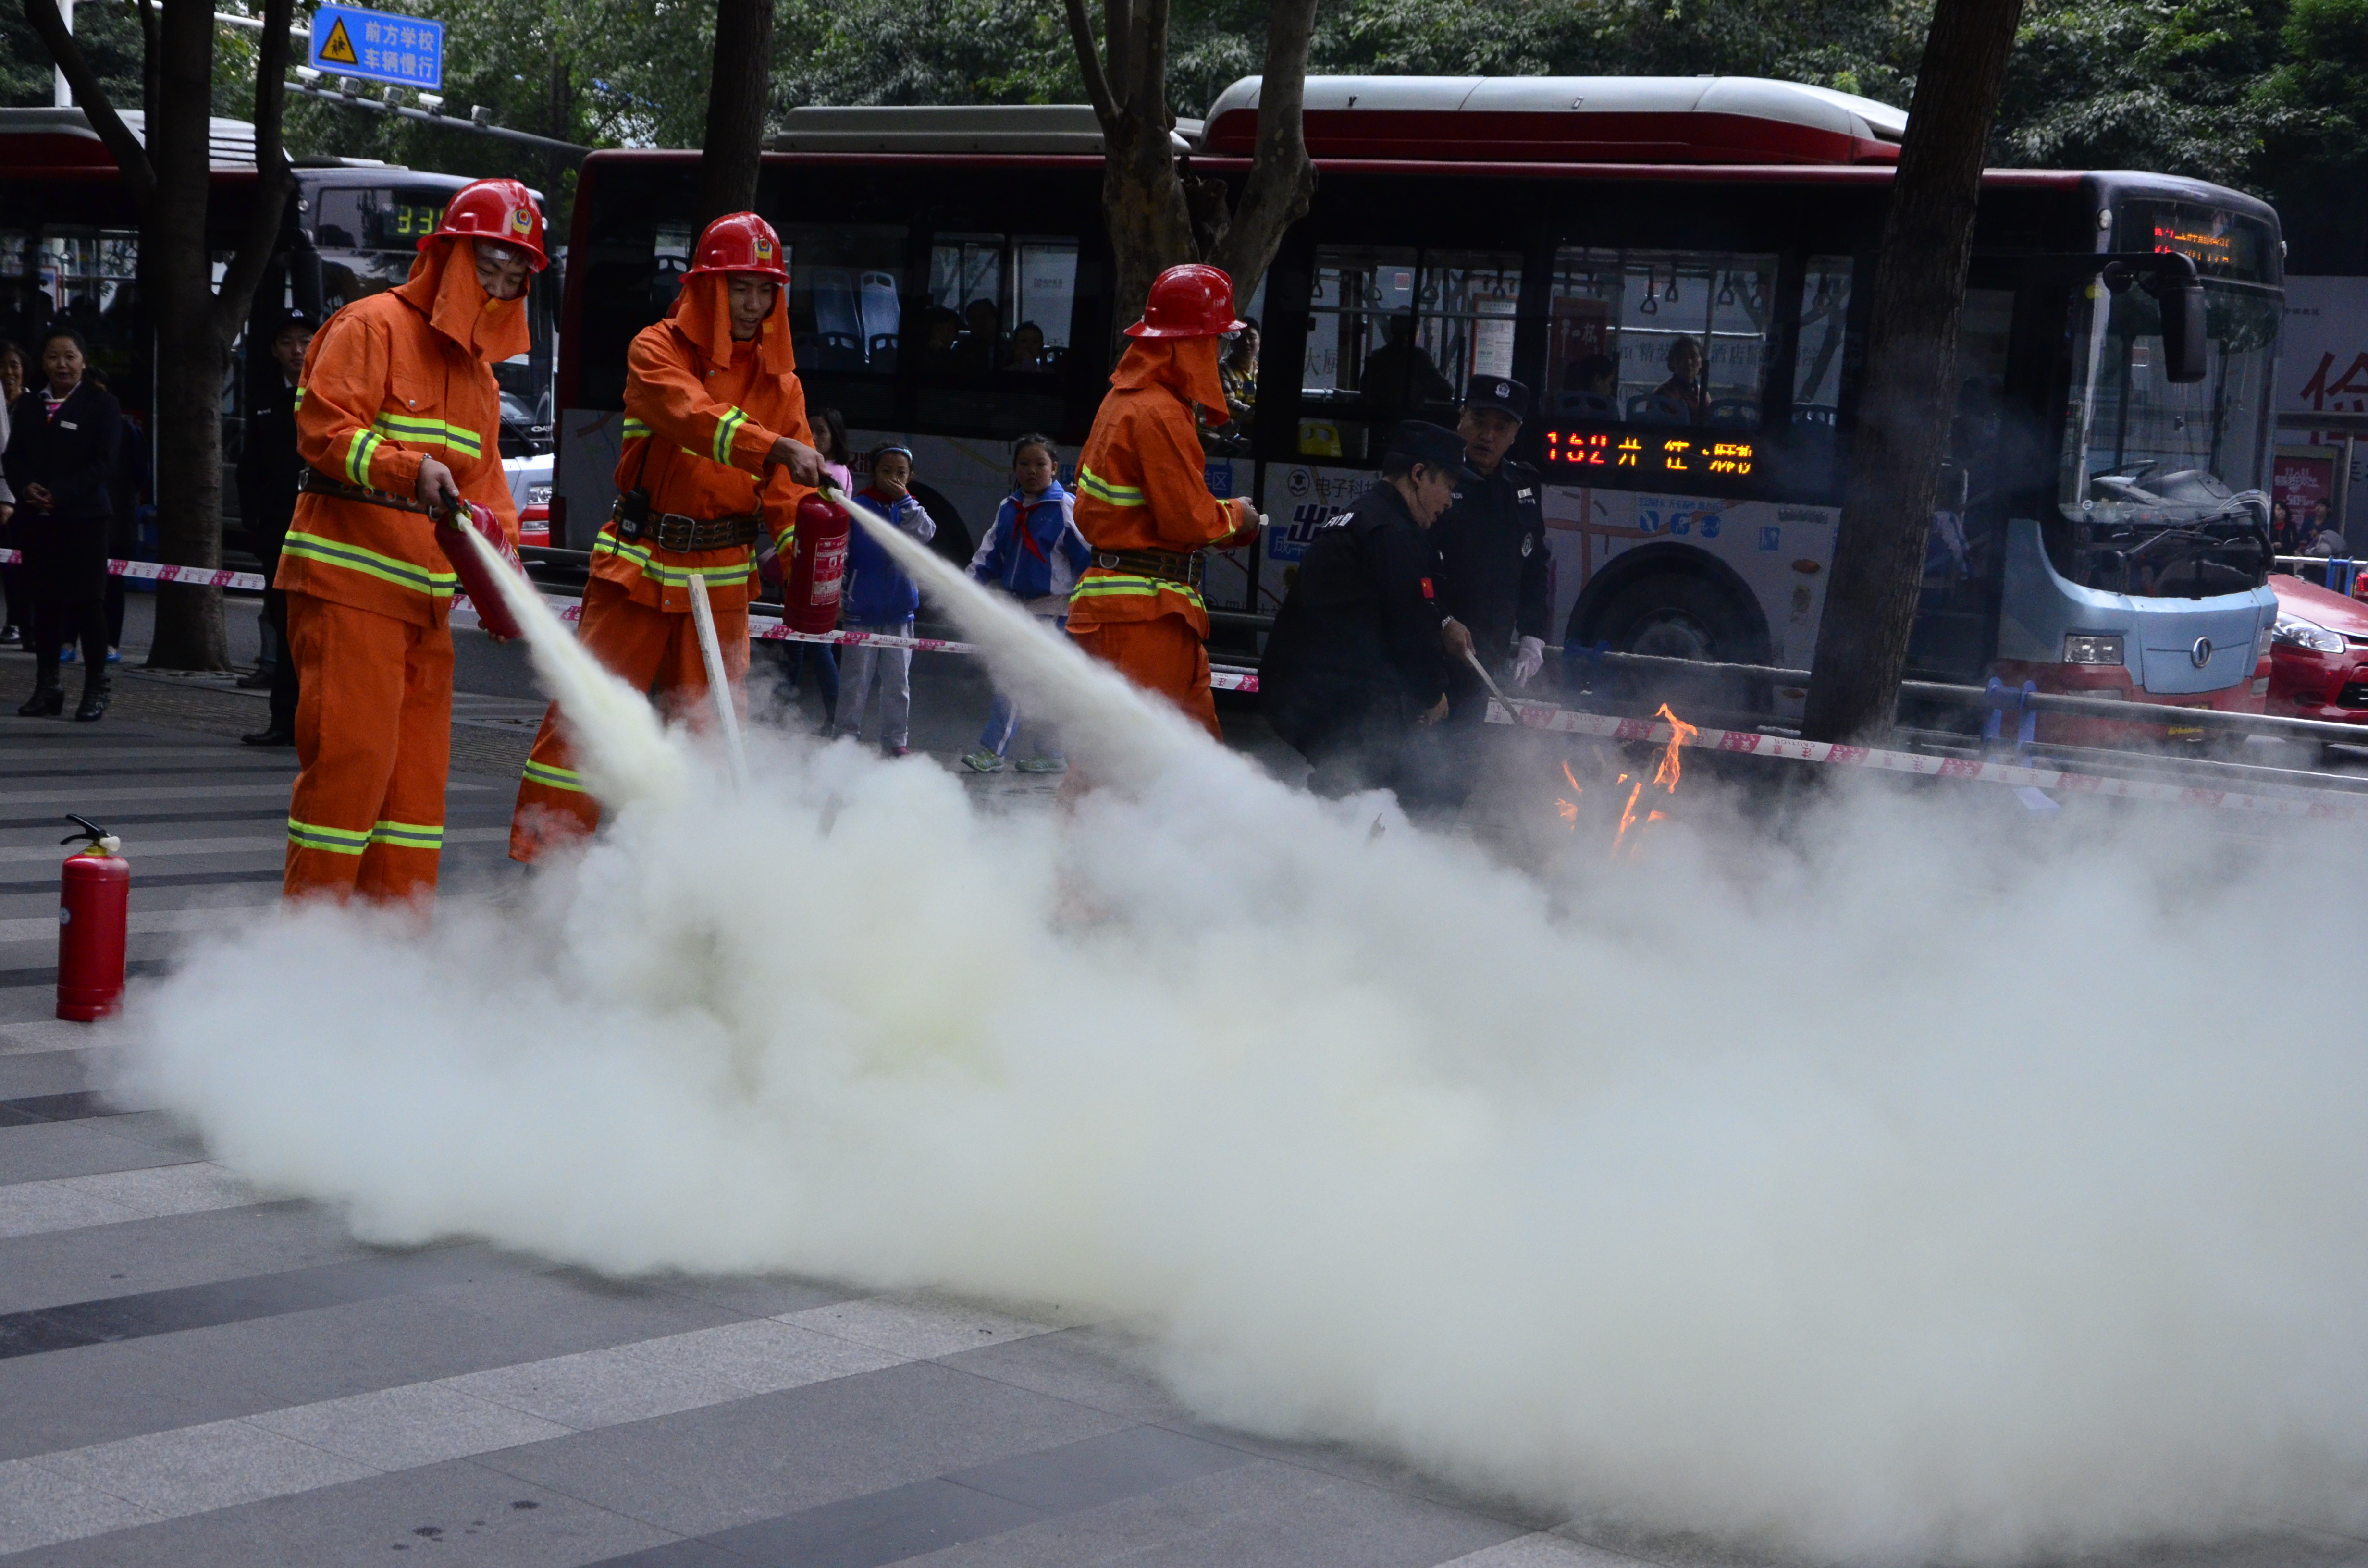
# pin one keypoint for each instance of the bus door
(1997, 430)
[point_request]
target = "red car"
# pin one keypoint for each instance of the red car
(2318, 654)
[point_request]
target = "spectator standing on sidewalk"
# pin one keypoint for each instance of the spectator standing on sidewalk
(268, 470)
(61, 458)
(1035, 554)
(880, 598)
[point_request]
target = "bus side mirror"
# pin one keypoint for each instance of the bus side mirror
(2180, 292)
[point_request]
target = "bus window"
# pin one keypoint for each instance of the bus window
(89, 277)
(1659, 338)
(1824, 317)
(1000, 303)
(845, 311)
(1394, 332)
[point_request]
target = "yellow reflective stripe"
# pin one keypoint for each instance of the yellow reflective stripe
(432, 432)
(726, 428)
(1118, 584)
(370, 563)
(335, 840)
(408, 835)
(635, 427)
(1102, 490)
(551, 777)
(300, 397)
(671, 576)
(357, 456)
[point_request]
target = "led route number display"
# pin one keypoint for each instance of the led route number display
(1647, 453)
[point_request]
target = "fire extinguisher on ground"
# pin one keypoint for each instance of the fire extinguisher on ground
(94, 920)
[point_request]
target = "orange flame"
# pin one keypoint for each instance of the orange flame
(1680, 732)
(1627, 814)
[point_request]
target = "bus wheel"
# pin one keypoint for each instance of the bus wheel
(1678, 618)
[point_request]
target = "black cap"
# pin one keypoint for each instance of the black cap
(1497, 391)
(291, 318)
(1432, 445)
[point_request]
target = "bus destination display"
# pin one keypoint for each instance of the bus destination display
(1651, 452)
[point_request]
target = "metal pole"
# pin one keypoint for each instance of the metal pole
(61, 92)
(447, 121)
(711, 651)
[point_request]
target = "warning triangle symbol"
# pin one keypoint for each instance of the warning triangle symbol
(337, 47)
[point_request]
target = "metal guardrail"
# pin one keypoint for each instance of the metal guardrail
(1980, 697)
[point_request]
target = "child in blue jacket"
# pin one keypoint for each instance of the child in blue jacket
(1035, 554)
(878, 597)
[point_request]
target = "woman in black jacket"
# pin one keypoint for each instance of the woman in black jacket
(61, 450)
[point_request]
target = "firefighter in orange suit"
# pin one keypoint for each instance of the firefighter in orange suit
(716, 451)
(397, 415)
(1142, 503)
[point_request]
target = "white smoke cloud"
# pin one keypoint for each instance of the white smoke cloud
(1879, 1182)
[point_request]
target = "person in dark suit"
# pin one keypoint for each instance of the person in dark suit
(61, 452)
(267, 470)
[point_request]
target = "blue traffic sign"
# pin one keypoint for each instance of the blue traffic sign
(378, 46)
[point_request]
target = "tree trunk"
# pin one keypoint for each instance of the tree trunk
(1282, 180)
(169, 178)
(733, 152)
(1152, 218)
(1905, 407)
(190, 359)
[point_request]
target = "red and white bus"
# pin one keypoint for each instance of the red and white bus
(70, 249)
(2105, 528)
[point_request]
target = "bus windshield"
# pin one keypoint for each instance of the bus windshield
(2161, 488)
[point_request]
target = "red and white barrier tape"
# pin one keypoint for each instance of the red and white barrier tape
(1561, 720)
(157, 572)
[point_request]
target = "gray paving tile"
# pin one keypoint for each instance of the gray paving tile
(196, 1468)
(38, 1207)
(42, 1031)
(918, 1328)
(97, 1393)
(1542, 1550)
(763, 1457)
(453, 1512)
(754, 1295)
(39, 1508)
(596, 1388)
(1255, 1516)
(1101, 1368)
(154, 1128)
(73, 1148)
(44, 1071)
(760, 1357)
(167, 1253)
(403, 1428)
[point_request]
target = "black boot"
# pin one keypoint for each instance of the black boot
(49, 698)
(96, 689)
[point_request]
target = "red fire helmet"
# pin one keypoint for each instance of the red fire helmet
(740, 242)
(493, 209)
(1191, 300)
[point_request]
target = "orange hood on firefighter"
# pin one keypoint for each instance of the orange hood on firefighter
(443, 285)
(703, 312)
(1185, 365)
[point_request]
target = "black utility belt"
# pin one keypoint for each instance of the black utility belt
(312, 482)
(672, 531)
(1183, 569)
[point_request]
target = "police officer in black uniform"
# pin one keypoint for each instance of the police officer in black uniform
(268, 471)
(1492, 550)
(1356, 667)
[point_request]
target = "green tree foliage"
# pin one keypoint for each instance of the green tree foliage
(2316, 134)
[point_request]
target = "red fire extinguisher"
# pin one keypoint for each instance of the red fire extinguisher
(818, 569)
(94, 918)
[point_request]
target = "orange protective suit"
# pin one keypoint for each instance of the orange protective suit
(702, 414)
(1141, 487)
(389, 382)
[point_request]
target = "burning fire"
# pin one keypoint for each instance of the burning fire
(1568, 810)
(1666, 776)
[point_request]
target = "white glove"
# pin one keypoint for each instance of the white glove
(1529, 660)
